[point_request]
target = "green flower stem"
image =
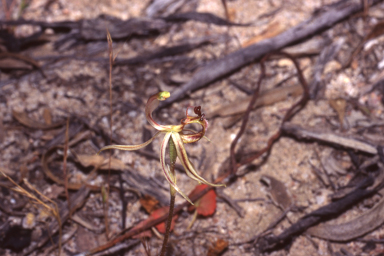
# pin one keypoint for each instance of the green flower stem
(172, 157)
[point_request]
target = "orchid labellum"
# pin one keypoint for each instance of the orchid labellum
(175, 137)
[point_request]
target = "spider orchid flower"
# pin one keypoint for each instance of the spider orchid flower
(176, 134)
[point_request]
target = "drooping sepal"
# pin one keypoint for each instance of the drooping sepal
(189, 168)
(130, 147)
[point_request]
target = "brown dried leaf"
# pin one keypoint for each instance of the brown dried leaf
(99, 161)
(218, 247)
(47, 116)
(90, 160)
(9, 63)
(23, 118)
(272, 30)
(339, 106)
(148, 203)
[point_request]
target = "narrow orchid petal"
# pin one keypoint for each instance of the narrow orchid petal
(167, 173)
(190, 169)
(181, 153)
(190, 175)
(192, 137)
(130, 147)
(152, 104)
(195, 136)
(189, 136)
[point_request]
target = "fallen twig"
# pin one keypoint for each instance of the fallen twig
(166, 52)
(202, 17)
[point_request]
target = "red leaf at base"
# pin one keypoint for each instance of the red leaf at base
(206, 205)
(160, 227)
(160, 212)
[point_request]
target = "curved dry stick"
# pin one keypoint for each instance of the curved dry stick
(246, 117)
(296, 107)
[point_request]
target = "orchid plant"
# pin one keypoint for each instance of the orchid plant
(175, 137)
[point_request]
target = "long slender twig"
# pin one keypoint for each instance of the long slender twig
(110, 53)
(65, 165)
(245, 117)
(297, 106)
